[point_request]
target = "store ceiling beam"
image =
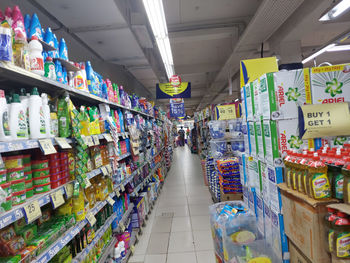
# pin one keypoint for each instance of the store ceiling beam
(97, 28)
(270, 15)
(197, 68)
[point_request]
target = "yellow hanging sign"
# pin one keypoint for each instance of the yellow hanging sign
(225, 112)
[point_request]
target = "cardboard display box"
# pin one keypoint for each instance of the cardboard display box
(338, 260)
(230, 197)
(303, 222)
(296, 256)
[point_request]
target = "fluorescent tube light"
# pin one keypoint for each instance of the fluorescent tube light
(336, 11)
(156, 17)
(316, 54)
(339, 48)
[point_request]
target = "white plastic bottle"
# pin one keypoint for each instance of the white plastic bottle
(122, 249)
(18, 124)
(46, 110)
(36, 57)
(117, 254)
(36, 116)
(24, 98)
(5, 133)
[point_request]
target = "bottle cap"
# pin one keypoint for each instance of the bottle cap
(15, 98)
(34, 91)
(34, 38)
(23, 92)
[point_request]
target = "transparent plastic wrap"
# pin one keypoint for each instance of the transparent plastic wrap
(218, 148)
(236, 236)
(217, 129)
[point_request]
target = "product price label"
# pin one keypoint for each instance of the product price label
(90, 218)
(57, 199)
(63, 143)
(68, 189)
(108, 137)
(89, 141)
(225, 112)
(87, 183)
(47, 146)
(32, 211)
(122, 227)
(122, 188)
(117, 193)
(96, 139)
(321, 120)
(110, 201)
(104, 170)
(109, 168)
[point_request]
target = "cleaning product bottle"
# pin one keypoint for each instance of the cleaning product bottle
(36, 116)
(63, 116)
(296, 170)
(288, 160)
(25, 102)
(62, 50)
(5, 133)
(341, 226)
(46, 110)
(301, 172)
(36, 57)
(49, 67)
(18, 124)
(318, 179)
(329, 219)
(346, 183)
(117, 254)
(78, 81)
(53, 121)
(337, 178)
(122, 249)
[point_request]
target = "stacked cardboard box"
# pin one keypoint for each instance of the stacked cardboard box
(270, 106)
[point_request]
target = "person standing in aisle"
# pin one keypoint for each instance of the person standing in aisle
(182, 136)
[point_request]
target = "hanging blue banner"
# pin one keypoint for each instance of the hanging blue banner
(177, 110)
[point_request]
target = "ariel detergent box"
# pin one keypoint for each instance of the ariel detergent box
(257, 110)
(330, 84)
(282, 92)
(260, 139)
(253, 138)
(272, 155)
(249, 100)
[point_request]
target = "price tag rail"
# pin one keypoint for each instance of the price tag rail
(124, 156)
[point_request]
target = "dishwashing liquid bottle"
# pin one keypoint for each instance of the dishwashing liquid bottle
(36, 116)
(5, 133)
(18, 124)
(318, 179)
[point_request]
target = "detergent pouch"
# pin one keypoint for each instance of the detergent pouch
(62, 49)
(104, 92)
(64, 75)
(59, 72)
(48, 37)
(134, 102)
(35, 28)
(90, 78)
(27, 21)
(99, 81)
(54, 53)
(5, 42)
(8, 15)
(116, 94)
(18, 26)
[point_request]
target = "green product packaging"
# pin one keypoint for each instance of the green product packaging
(19, 224)
(63, 117)
(260, 139)
(28, 232)
(271, 142)
(14, 259)
(267, 96)
(76, 188)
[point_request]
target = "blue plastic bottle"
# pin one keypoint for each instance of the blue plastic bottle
(62, 49)
(27, 21)
(121, 120)
(90, 77)
(35, 28)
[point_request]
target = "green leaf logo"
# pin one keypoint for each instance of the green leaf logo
(339, 140)
(293, 94)
(334, 87)
(295, 142)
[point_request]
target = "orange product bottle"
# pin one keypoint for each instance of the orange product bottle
(318, 179)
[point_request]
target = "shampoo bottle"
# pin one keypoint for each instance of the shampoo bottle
(18, 124)
(46, 110)
(5, 134)
(36, 116)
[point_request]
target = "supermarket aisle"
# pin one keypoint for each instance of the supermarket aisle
(178, 229)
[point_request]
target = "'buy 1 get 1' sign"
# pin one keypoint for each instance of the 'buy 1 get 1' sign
(321, 120)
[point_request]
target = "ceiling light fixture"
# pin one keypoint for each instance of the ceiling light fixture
(316, 54)
(339, 48)
(336, 11)
(156, 17)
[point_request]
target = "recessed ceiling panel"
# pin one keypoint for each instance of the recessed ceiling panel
(83, 13)
(113, 44)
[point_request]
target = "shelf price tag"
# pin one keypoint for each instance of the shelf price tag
(108, 137)
(32, 211)
(90, 218)
(122, 227)
(122, 188)
(109, 168)
(96, 140)
(110, 201)
(57, 199)
(104, 170)
(329, 119)
(47, 146)
(68, 189)
(62, 142)
(90, 141)
(117, 193)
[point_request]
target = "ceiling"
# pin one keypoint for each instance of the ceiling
(208, 39)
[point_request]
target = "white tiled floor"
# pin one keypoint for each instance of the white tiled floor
(178, 229)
